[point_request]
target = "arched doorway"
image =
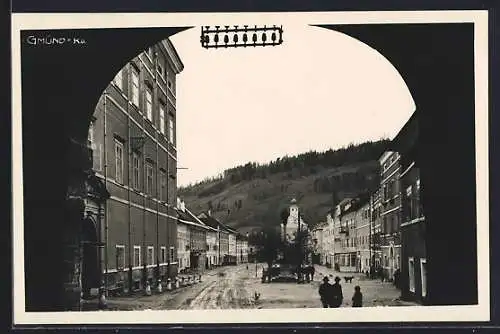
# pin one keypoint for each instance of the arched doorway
(90, 274)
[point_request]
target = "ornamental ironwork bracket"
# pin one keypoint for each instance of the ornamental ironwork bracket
(241, 37)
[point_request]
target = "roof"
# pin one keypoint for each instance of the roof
(359, 202)
(213, 223)
(188, 218)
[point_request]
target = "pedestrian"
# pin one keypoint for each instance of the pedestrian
(336, 295)
(325, 291)
(397, 275)
(312, 272)
(102, 304)
(357, 298)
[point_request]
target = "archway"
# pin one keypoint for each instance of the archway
(434, 60)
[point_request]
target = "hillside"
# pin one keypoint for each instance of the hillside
(252, 196)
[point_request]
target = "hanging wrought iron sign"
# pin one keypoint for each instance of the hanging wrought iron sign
(233, 37)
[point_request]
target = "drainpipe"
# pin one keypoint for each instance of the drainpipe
(130, 155)
(105, 134)
(158, 195)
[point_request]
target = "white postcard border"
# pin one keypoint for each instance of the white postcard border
(480, 312)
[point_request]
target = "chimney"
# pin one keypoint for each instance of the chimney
(178, 203)
(209, 213)
(183, 206)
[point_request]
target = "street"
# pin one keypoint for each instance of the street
(239, 288)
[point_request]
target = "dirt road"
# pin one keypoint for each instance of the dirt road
(236, 287)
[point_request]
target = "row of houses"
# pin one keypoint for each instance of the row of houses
(135, 229)
(382, 233)
(204, 242)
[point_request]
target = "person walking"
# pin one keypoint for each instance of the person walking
(337, 296)
(312, 272)
(357, 298)
(325, 292)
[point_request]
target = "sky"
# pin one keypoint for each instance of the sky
(320, 89)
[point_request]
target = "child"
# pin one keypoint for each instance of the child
(357, 298)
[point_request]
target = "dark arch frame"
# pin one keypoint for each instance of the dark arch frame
(60, 114)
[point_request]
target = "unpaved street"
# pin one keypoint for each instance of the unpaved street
(240, 288)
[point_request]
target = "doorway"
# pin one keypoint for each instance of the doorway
(90, 274)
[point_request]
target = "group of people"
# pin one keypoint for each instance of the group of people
(331, 294)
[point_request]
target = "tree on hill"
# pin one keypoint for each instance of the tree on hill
(302, 164)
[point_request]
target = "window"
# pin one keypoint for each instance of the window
(172, 257)
(163, 254)
(171, 129)
(411, 274)
(120, 257)
(163, 185)
(135, 86)
(423, 274)
(119, 161)
(160, 70)
(151, 252)
(149, 104)
(137, 256)
(118, 80)
(90, 138)
(162, 119)
(149, 179)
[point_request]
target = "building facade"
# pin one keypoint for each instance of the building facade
(212, 247)
(222, 236)
(376, 230)
(183, 245)
(363, 236)
(391, 213)
(241, 248)
(413, 223)
(328, 249)
(232, 257)
(133, 141)
(346, 254)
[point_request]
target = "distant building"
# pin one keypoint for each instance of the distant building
(232, 251)
(413, 223)
(391, 213)
(212, 247)
(362, 236)
(346, 252)
(288, 231)
(329, 237)
(197, 232)
(241, 248)
(133, 141)
(222, 235)
(376, 221)
(317, 242)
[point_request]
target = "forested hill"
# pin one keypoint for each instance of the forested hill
(252, 196)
